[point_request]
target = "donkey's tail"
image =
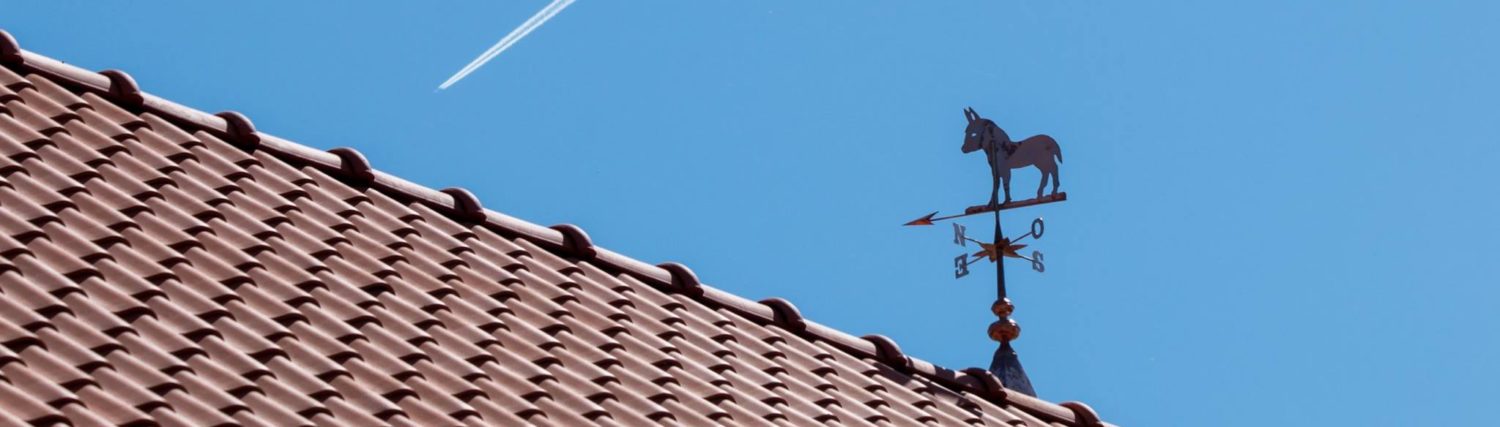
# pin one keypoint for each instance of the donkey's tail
(1057, 151)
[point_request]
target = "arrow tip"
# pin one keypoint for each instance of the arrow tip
(925, 220)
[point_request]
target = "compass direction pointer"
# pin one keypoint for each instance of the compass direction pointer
(931, 218)
(1037, 228)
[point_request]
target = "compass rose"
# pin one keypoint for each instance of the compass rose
(1003, 248)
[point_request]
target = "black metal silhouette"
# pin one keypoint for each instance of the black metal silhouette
(1003, 154)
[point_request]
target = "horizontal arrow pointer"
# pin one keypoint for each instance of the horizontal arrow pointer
(975, 210)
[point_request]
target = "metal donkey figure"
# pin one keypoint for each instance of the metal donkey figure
(1003, 154)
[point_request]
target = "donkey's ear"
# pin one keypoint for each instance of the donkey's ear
(969, 114)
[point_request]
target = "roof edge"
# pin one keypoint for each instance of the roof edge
(331, 162)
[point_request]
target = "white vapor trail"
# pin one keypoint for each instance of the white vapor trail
(515, 35)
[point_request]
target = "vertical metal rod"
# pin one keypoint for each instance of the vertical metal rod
(999, 264)
(1006, 364)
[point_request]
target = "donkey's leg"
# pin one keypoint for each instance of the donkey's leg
(995, 189)
(1043, 184)
(1055, 181)
(1006, 178)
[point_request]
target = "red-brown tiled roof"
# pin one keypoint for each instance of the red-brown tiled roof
(162, 265)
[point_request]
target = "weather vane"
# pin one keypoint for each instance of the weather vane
(1002, 154)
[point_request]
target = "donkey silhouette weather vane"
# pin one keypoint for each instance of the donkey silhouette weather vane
(1002, 155)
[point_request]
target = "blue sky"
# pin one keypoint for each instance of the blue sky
(1281, 211)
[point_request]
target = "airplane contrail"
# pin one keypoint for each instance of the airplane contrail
(515, 35)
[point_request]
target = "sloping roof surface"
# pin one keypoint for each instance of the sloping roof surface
(161, 265)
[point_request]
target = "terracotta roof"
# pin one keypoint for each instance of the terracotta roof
(163, 265)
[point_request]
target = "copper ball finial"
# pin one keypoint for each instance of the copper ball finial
(1002, 308)
(1005, 330)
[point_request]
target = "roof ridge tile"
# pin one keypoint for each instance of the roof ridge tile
(10, 50)
(123, 87)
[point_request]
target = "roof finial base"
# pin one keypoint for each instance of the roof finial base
(1007, 366)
